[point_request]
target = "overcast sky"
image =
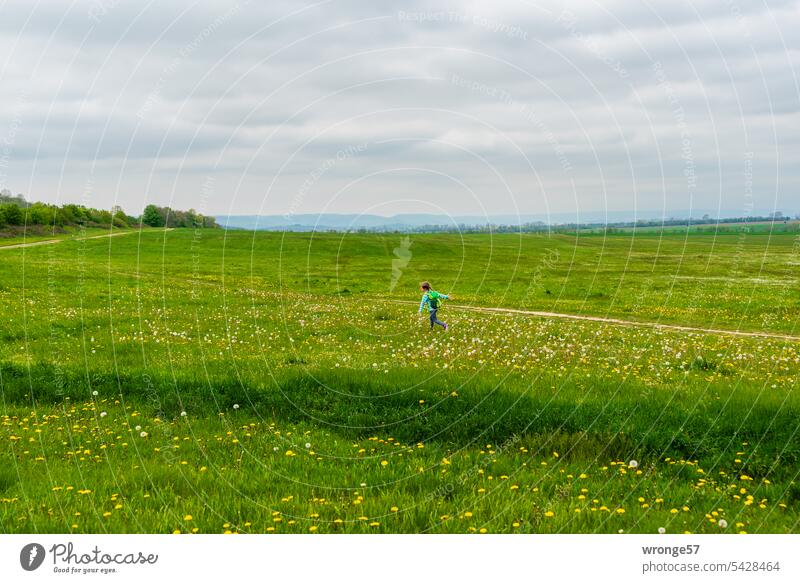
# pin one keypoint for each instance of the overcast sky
(379, 107)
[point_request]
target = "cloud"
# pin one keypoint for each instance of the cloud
(564, 105)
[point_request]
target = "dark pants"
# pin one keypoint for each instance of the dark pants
(434, 319)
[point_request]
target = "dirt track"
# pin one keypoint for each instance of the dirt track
(54, 241)
(619, 322)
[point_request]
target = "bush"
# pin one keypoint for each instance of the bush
(11, 214)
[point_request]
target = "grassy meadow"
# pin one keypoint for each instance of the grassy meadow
(203, 381)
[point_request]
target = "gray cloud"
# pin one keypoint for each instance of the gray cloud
(511, 106)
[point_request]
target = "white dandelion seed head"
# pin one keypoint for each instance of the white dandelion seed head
(621, 530)
(633, 464)
(103, 414)
(143, 434)
(236, 405)
(276, 448)
(661, 530)
(308, 446)
(184, 413)
(138, 428)
(95, 393)
(363, 484)
(723, 523)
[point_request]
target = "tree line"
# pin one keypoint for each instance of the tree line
(776, 219)
(16, 211)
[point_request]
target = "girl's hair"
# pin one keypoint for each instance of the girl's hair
(425, 285)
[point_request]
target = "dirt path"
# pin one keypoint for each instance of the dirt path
(34, 244)
(54, 241)
(618, 322)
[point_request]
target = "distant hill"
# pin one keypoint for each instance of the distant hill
(411, 222)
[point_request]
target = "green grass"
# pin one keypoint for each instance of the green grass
(293, 343)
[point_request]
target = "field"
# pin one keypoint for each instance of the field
(203, 381)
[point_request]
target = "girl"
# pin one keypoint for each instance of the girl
(433, 300)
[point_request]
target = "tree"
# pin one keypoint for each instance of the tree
(120, 218)
(12, 214)
(7, 197)
(40, 214)
(152, 217)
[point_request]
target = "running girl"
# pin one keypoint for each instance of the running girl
(433, 300)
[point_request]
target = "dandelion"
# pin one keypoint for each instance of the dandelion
(236, 406)
(184, 413)
(95, 393)
(722, 523)
(138, 428)
(633, 464)
(308, 446)
(661, 530)
(103, 414)
(143, 434)
(187, 518)
(549, 514)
